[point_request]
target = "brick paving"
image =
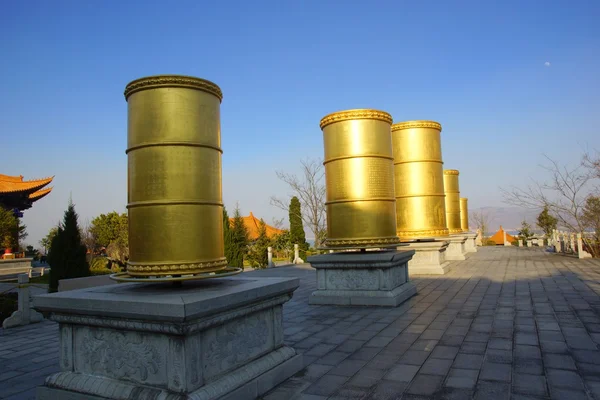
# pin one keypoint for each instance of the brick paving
(507, 323)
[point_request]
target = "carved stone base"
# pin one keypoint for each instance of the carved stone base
(470, 244)
(429, 258)
(213, 339)
(456, 249)
(370, 278)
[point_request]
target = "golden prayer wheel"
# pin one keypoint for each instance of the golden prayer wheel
(452, 201)
(174, 176)
(359, 176)
(419, 180)
(464, 214)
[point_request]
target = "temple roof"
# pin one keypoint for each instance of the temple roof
(498, 237)
(252, 223)
(11, 184)
(17, 193)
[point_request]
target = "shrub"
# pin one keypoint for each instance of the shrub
(490, 242)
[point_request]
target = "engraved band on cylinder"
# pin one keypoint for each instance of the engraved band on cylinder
(174, 176)
(359, 176)
(452, 201)
(419, 181)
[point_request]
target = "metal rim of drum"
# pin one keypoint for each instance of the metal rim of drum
(182, 81)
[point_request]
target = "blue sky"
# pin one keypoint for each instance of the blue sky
(477, 67)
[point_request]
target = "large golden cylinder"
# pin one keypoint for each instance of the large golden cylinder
(464, 214)
(419, 180)
(174, 190)
(359, 176)
(452, 201)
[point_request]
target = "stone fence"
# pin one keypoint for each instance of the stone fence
(569, 243)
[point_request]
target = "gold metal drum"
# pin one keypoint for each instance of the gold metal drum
(452, 201)
(464, 214)
(174, 176)
(359, 176)
(419, 180)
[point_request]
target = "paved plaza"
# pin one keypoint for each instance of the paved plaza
(507, 323)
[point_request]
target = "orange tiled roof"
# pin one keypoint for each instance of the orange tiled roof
(252, 223)
(39, 194)
(14, 184)
(498, 237)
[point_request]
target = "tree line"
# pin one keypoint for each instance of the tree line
(102, 245)
(569, 199)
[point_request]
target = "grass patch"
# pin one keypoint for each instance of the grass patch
(44, 279)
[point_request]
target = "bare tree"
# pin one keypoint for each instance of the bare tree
(310, 190)
(564, 195)
(592, 162)
(277, 223)
(481, 220)
(88, 239)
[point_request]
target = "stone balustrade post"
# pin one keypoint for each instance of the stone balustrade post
(297, 259)
(270, 263)
(581, 253)
(24, 314)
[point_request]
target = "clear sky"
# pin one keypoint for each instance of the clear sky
(507, 80)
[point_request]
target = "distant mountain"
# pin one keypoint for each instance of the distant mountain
(509, 217)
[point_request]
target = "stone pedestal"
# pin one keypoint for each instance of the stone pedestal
(212, 339)
(456, 248)
(470, 244)
(370, 278)
(15, 266)
(429, 258)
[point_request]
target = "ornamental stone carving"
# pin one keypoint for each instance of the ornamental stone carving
(119, 354)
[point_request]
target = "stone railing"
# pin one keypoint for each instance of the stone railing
(569, 243)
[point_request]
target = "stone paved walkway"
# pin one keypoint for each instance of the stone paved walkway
(507, 323)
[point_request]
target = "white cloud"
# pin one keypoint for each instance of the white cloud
(547, 63)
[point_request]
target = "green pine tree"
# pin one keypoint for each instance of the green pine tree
(547, 222)
(525, 232)
(258, 256)
(67, 251)
(297, 235)
(229, 251)
(239, 240)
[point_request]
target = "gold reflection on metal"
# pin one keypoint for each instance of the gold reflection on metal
(464, 214)
(174, 177)
(359, 176)
(419, 180)
(452, 201)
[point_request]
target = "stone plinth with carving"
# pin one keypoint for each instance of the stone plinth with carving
(456, 248)
(213, 339)
(429, 258)
(471, 243)
(369, 278)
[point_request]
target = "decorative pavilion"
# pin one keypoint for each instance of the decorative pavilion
(17, 194)
(252, 223)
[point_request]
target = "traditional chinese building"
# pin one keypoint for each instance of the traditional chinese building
(498, 237)
(17, 194)
(252, 223)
